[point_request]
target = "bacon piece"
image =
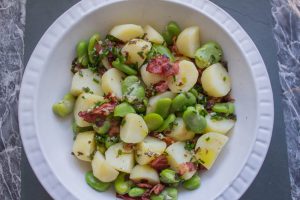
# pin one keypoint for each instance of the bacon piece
(114, 128)
(160, 163)
(111, 97)
(145, 185)
(168, 140)
(98, 47)
(128, 146)
(126, 197)
(186, 167)
(161, 65)
(157, 189)
(161, 86)
(99, 112)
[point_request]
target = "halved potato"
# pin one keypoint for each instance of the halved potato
(216, 81)
(120, 158)
(149, 149)
(102, 170)
(144, 172)
(153, 100)
(152, 35)
(188, 41)
(185, 79)
(84, 145)
(219, 126)
(179, 131)
(105, 63)
(178, 155)
(149, 78)
(208, 148)
(112, 82)
(86, 81)
(133, 128)
(126, 32)
(84, 102)
(188, 175)
(136, 51)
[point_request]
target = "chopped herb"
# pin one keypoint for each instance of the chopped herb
(123, 122)
(207, 139)
(120, 152)
(79, 153)
(141, 54)
(96, 81)
(189, 145)
(87, 90)
(83, 97)
(174, 78)
(80, 73)
(201, 161)
(224, 78)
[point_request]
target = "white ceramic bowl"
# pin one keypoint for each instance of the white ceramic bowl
(48, 140)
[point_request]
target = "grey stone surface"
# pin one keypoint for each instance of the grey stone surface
(286, 14)
(12, 16)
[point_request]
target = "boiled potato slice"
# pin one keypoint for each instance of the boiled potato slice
(86, 81)
(149, 78)
(84, 145)
(84, 102)
(185, 79)
(136, 51)
(188, 41)
(112, 82)
(102, 170)
(105, 63)
(208, 148)
(144, 172)
(188, 175)
(153, 100)
(133, 128)
(126, 32)
(178, 155)
(179, 131)
(120, 158)
(149, 149)
(152, 35)
(216, 81)
(219, 126)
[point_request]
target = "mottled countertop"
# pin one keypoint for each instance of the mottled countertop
(274, 27)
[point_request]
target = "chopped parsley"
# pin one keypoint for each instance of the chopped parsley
(80, 73)
(189, 145)
(141, 54)
(207, 139)
(96, 81)
(87, 90)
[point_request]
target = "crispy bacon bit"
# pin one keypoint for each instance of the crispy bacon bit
(168, 140)
(161, 65)
(157, 189)
(99, 112)
(186, 167)
(161, 86)
(144, 185)
(114, 128)
(125, 197)
(161, 136)
(160, 163)
(111, 97)
(98, 47)
(128, 146)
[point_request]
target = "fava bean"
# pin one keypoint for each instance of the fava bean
(123, 67)
(65, 106)
(182, 101)
(167, 123)
(153, 121)
(91, 47)
(157, 197)
(136, 192)
(208, 54)
(167, 37)
(104, 128)
(163, 50)
(132, 89)
(194, 120)
(168, 176)
(77, 129)
(192, 183)
(82, 53)
(170, 193)
(163, 106)
(123, 109)
(122, 186)
(96, 184)
(173, 28)
(227, 108)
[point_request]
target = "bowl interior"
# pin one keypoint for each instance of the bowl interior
(56, 137)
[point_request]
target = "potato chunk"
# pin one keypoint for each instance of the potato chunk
(179, 131)
(126, 32)
(144, 172)
(208, 148)
(149, 149)
(102, 170)
(153, 35)
(84, 145)
(219, 126)
(188, 41)
(112, 82)
(216, 81)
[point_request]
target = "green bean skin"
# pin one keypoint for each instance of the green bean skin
(227, 108)
(96, 184)
(91, 47)
(136, 192)
(163, 50)
(163, 106)
(192, 183)
(173, 28)
(208, 54)
(121, 185)
(82, 53)
(194, 120)
(102, 129)
(123, 109)
(168, 176)
(167, 123)
(123, 67)
(153, 121)
(182, 101)
(65, 106)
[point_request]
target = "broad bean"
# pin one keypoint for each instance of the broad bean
(153, 121)
(168, 176)
(208, 54)
(192, 183)
(170, 193)
(82, 53)
(103, 128)
(162, 50)
(182, 101)
(123, 109)
(91, 47)
(65, 106)
(123, 67)
(172, 29)
(77, 129)
(96, 184)
(136, 192)
(122, 186)
(132, 89)
(227, 108)
(194, 120)
(167, 123)
(163, 106)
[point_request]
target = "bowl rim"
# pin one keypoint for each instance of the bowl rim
(31, 77)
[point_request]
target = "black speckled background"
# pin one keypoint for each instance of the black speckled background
(255, 17)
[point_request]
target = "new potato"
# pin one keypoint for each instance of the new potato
(179, 131)
(126, 32)
(188, 41)
(84, 145)
(112, 82)
(144, 172)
